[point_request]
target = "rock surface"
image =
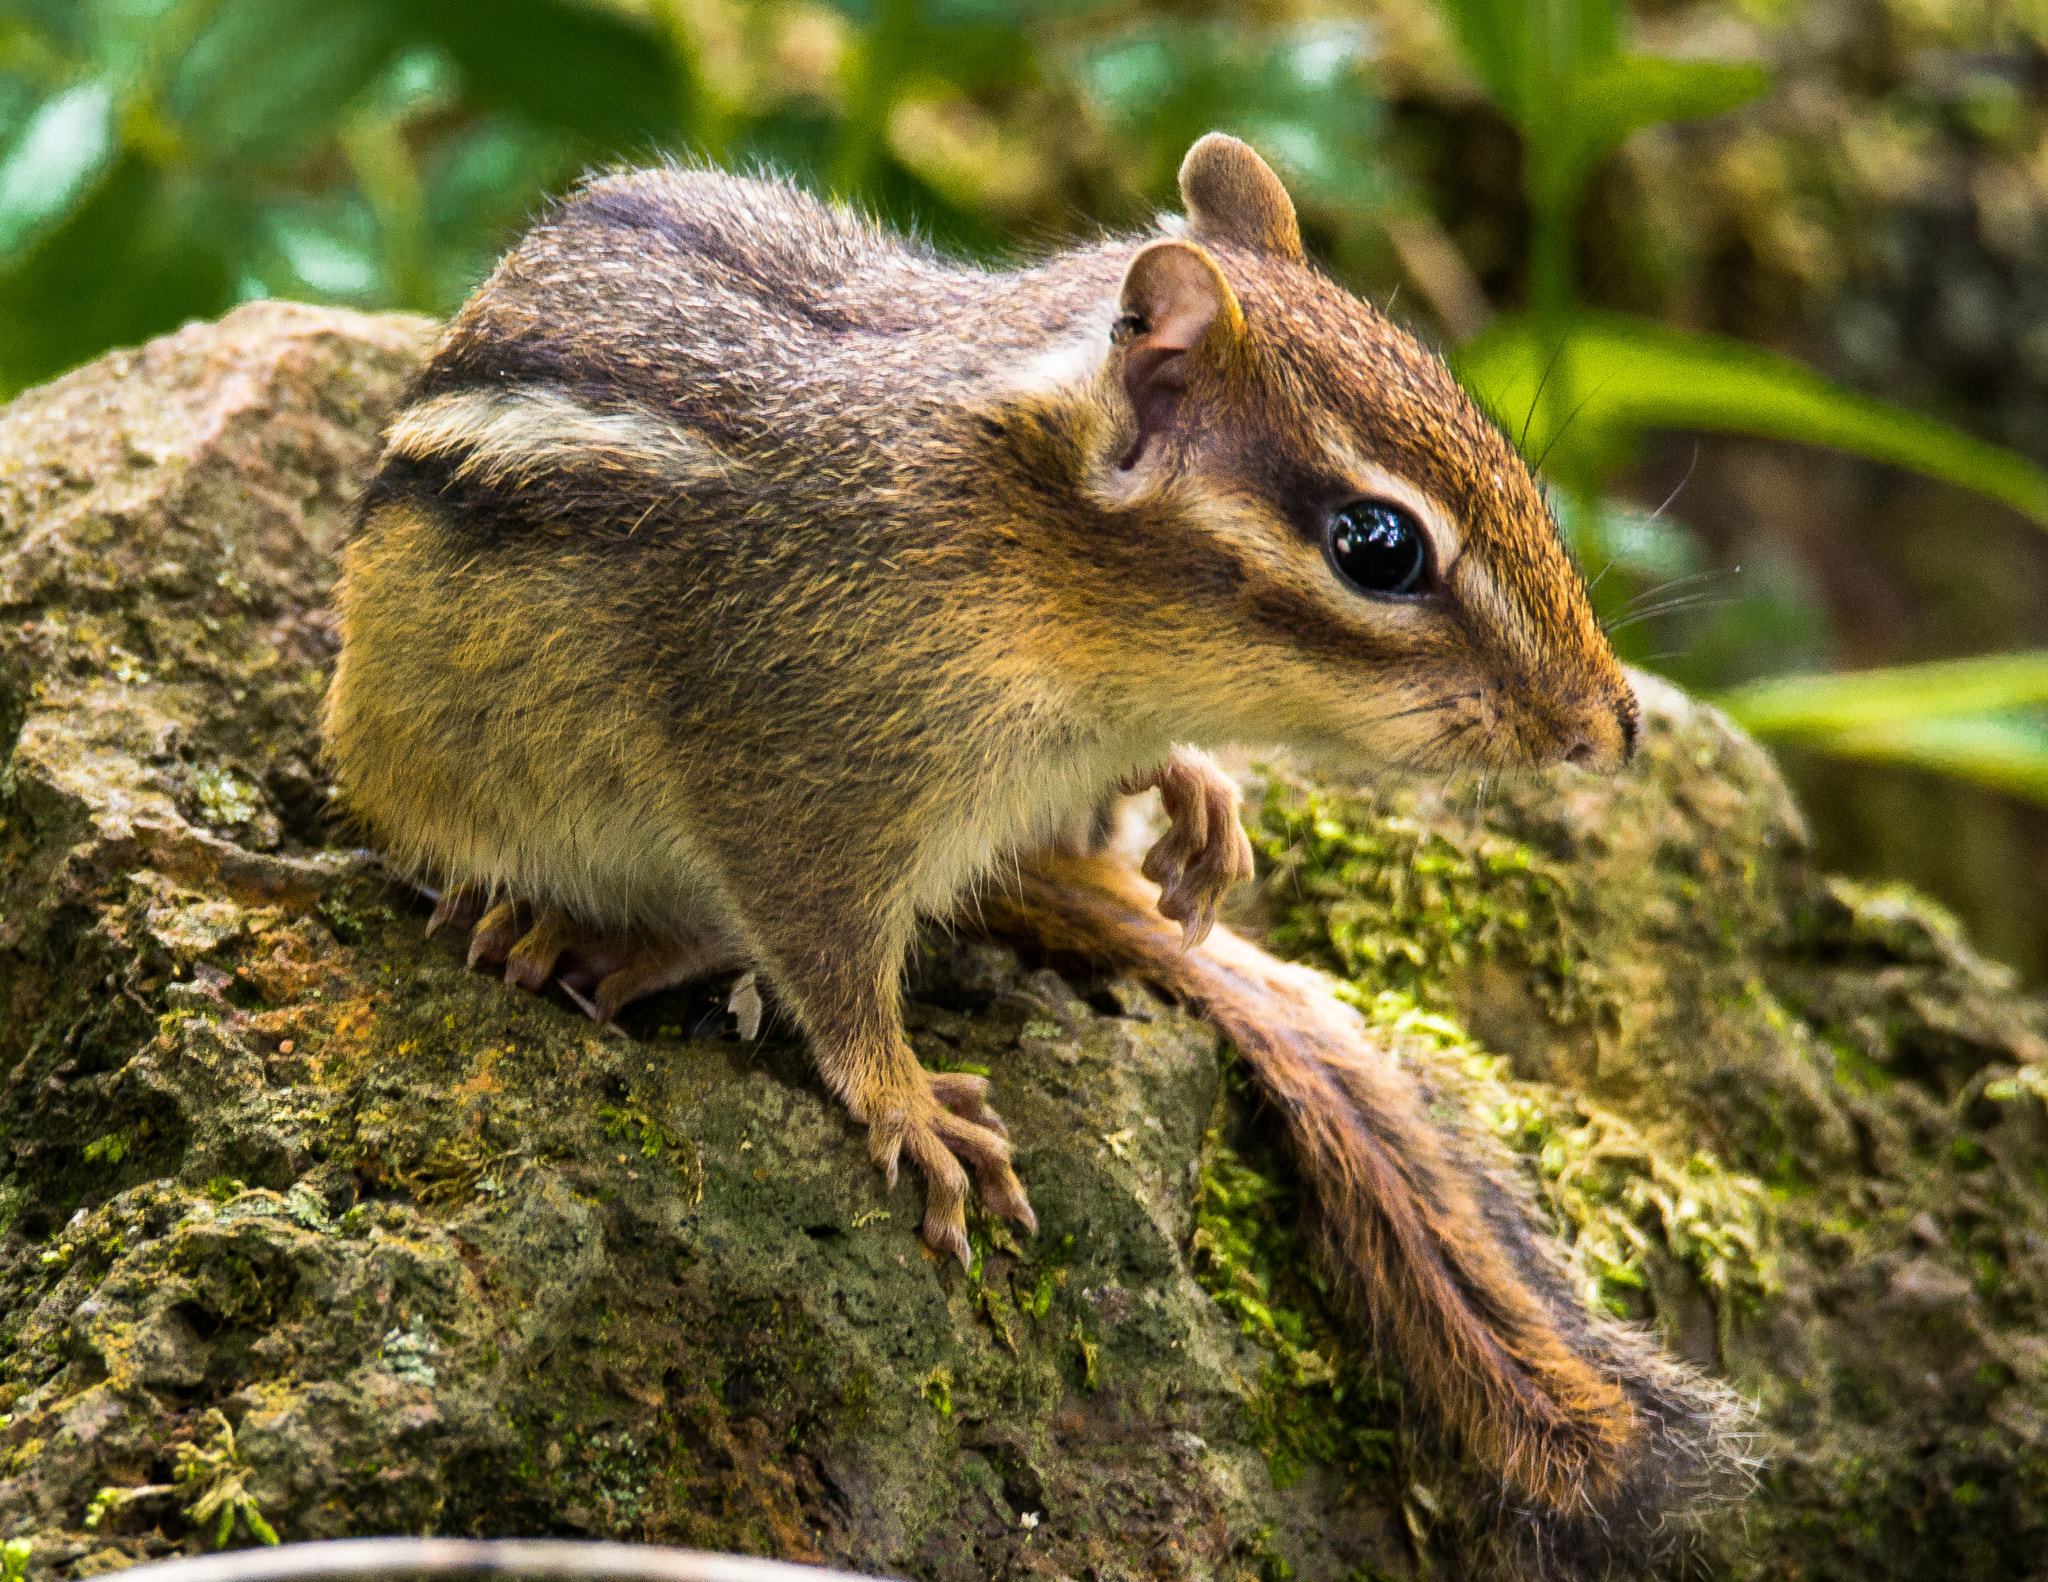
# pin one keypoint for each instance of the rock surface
(309, 1230)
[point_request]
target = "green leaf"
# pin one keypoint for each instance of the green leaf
(51, 168)
(1496, 39)
(2006, 752)
(330, 251)
(146, 251)
(1590, 381)
(1299, 94)
(1553, 66)
(270, 79)
(593, 72)
(1522, 51)
(1976, 719)
(1494, 35)
(1600, 107)
(1801, 707)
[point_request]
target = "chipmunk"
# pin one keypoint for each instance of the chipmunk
(743, 584)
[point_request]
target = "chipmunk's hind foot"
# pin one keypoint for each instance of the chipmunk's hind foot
(603, 972)
(947, 1126)
(646, 964)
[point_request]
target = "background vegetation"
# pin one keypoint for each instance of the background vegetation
(1677, 250)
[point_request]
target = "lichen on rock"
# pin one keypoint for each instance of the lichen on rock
(359, 1241)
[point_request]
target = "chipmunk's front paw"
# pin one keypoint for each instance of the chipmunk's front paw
(1205, 851)
(947, 1123)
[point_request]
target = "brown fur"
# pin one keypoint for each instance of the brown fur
(744, 584)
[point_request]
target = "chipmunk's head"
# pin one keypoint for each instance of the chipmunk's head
(1341, 549)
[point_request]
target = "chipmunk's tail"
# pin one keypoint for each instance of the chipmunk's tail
(1597, 1437)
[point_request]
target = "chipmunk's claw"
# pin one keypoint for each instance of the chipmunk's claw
(885, 1141)
(1204, 851)
(946, 1130)
(645, 964)
(586, 1005)
(945, 1197)
(966, 1095)
(950, 1238)
(1194, 929)
(460, 905)
(497, 931)
(532, 961)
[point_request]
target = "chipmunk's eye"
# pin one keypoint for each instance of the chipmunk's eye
(1378, 547)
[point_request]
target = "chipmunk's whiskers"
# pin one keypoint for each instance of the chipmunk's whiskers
(1570, 419)
(1679, 487)
(1665, 598)
(1437, 706)
(1536, 400)
(1691, 579)
(1696, 601)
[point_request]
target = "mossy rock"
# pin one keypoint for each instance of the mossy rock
(311, 1231)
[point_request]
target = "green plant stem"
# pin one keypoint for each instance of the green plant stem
(1552, 254)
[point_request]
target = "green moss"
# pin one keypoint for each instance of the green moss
(224, 797)
(1319, 1399)
(455, 1171)
(633, 1122)
(1386, 902)
(1861, 1075)
(620, 1476)
(15, 1195)
(857, 1395)
(232, 1288)
(1887, 922)
(350, 911)
(1090, 1353)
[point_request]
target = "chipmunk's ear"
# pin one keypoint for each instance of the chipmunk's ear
(1176, 309)
(1232, 195)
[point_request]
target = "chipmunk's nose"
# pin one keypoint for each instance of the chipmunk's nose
(1607, 738)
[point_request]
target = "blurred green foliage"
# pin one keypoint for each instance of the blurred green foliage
(1981, 719)
(1557, 69)
(168, 158)
(1586, 384)
(165, 159)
